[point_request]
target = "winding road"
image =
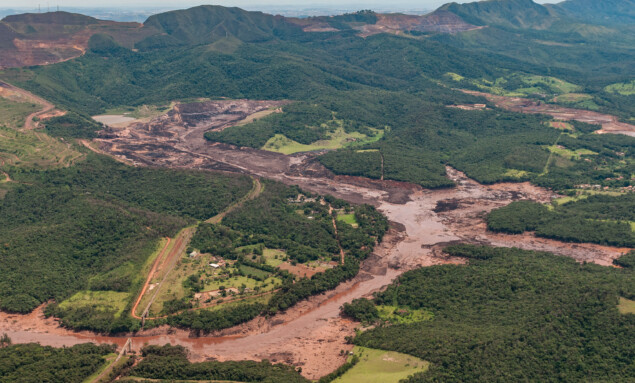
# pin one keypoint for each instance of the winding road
(29, 124)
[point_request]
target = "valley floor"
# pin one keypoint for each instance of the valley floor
(312, 334)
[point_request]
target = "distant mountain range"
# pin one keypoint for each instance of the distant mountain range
(35, 39)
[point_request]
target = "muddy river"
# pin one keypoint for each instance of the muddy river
(312, 334)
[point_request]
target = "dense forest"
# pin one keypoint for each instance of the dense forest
(171, 363)
(602, 219)
(34, 363)
(93, 225)
(513, 315)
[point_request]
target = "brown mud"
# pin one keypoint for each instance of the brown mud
(312, 333)
(610, 124)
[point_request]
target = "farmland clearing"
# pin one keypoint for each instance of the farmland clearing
(626, 306)
(105, 300)
(378, 366)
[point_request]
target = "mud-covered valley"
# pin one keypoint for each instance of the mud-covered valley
(311, 334)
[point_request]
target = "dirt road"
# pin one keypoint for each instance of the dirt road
(151, 275)
(47, 107)
(167, 265)
(255, 191)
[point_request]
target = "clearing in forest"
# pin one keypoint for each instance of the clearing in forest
(337, 139)
(378, 366)
(626, 306)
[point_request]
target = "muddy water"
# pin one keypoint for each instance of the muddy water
(112, 119)
(311, 334)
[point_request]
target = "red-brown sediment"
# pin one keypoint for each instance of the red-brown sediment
(312, 334)
(610, 124)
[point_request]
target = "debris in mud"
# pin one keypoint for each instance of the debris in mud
(447, 205)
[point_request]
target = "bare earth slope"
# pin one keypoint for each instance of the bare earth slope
(48, 38)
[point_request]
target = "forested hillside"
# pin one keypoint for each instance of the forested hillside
(604, 219)
(93, 225)
(513, 315)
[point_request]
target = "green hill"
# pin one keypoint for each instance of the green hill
(64, 18)
(207, 23)
(602, 12)
(507, 13)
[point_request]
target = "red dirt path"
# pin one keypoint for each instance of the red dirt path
(150, 276)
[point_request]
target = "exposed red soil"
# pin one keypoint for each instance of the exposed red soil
(395, 23)
(151, 275)
(610, 124)
(438, 21)
(42, 39)
(312, 333)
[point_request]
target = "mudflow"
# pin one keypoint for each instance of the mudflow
(311, 334)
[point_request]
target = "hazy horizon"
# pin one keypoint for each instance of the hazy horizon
(251, 4)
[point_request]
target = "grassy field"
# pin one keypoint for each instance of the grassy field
(105, 300)
(582, 194)
(258, 115)
(212, 279)
(516, 174)
(29, 149)
(624, 88)
(573, 97)
(348, 218)
(529, 85)
(337, 139)
(454, 76)
(626, 306)
(378, 366)
(570, 154)
(238, 281)
(140, 112)
(556, 85)
(561, 125)
(13, 113)
(577, 100)
(398, 315)
(252, 271)
(274, 257)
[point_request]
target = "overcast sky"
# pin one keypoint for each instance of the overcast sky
(252, 4)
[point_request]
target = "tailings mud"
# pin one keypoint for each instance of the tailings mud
(312, 334)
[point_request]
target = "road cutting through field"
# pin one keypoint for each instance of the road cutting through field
(150, 276)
